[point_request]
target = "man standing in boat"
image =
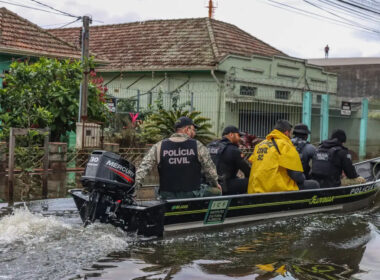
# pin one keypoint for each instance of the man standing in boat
(180, 161)
(228, 161)
(331, 159)
(276, 164)
(304, 148)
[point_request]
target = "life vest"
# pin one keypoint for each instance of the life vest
(324, 162)
(179, 167)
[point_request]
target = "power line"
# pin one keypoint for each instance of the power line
(53, 24)
(353, 4)
(336, 15)
(363, 16)
(50, 7)
(319, 17)
(307, 13)
(69, 23)
(29, 7)
(64, 13)
(348, 10)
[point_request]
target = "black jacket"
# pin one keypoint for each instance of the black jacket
(306, 151)
(330, 160)
(231, 162)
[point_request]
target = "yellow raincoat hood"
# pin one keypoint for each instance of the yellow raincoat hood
(269, 167)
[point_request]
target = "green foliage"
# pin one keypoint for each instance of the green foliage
(160, 125)
(154, 122)
(29, 151)
(126, 105)
(46, 93)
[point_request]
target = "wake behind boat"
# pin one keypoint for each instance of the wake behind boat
(108, 183)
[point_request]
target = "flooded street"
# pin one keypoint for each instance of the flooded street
(49, 242)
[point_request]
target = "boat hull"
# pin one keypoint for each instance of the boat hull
(186, 214)
(154, 217)
(248, 208)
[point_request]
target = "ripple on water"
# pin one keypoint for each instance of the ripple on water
(36, 247)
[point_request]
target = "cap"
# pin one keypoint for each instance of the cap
(231, 129)
(339, 134)
(301, 129)
(184, 121)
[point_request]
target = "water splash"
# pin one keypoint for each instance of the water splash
(27, 228)
(36, 247)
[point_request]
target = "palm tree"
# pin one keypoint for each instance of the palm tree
(161, 124)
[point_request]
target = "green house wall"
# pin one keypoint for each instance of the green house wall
(217, 93)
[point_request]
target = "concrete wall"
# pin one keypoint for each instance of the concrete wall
(358, 80)
(278, 73)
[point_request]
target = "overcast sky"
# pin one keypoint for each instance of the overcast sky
(295, 34)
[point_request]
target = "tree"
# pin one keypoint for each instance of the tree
(46, 93)
(160, 125)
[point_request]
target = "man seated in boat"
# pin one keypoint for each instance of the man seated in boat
(276, 164)
(180, 161)
(331, 159)
(228, 161)
(304, 148)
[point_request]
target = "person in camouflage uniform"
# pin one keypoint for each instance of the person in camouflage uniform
(180, 161)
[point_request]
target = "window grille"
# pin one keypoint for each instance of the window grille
(246, 90)
(282, 94)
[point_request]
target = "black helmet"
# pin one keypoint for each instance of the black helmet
(301, 129)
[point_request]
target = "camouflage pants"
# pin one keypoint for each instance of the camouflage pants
(203, 191)
(347, 182)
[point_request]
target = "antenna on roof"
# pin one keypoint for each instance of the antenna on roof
(211, 8)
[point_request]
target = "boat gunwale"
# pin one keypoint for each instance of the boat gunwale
(272, 193)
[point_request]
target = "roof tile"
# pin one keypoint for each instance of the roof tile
(18, 35)
(198, 43)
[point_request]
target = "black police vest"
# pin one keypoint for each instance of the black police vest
(179, 167)
(324, 165)
(216, 148)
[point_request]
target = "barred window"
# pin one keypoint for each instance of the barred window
(319, 98)
(245, 90)
(282, 94)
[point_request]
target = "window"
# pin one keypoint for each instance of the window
(319, 98)
(259, 123)
(282, 94)
(249, 91)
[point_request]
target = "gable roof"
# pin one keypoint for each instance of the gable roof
(180, 44)
(20, 36)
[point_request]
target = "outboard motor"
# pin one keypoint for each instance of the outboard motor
(109, 179)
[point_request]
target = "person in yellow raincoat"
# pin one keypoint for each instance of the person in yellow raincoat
(276, 164)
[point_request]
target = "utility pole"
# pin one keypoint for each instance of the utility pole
(83, 94)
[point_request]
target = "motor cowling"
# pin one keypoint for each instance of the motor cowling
(108, 183)
(109, 173)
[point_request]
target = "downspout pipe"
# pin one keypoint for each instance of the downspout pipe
(219, 84)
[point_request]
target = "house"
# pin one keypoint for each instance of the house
(358, 78)
(22, 39)
(215, 67)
